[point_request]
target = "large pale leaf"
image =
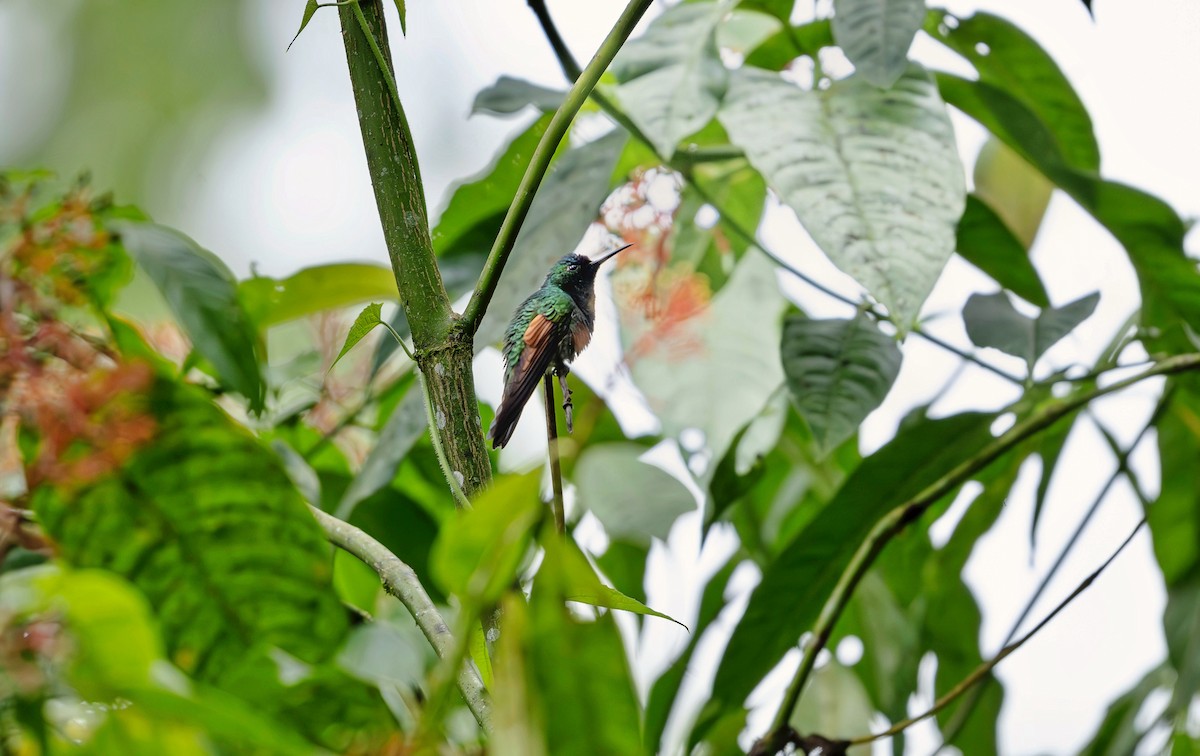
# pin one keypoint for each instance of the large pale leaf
(873, 175)
(203, 295)
(838, 372)
(672, 77)
(568, 200)
(876, 35)
(725, 380)
(206, 523)
(635, 501)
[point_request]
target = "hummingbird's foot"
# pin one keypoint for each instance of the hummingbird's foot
(567, 406)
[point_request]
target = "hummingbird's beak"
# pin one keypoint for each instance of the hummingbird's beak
(598, 263)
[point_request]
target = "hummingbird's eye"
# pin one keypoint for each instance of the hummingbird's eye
(572, 266)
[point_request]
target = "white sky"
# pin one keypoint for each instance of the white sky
(289, 188)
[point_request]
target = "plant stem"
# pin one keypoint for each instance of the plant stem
(898, 518)
(556, 504)
(443, 351)
(983, 670)
(540, 162)
(399, 580)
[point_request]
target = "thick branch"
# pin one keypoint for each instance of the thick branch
(400, 581)
(444, 353)
(540, 162)
(898, 518)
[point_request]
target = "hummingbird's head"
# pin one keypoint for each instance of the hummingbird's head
(577, 273)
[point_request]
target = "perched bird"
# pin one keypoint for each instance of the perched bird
(547, 331)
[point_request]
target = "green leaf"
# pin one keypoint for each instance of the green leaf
(838, 372)
(477, 553)
(1174, 518)
(510, 95)
(363, 324)
(405, 426)
(665, 691)
(781, 48)
(780, 9)
(624, 564)
(1121, 732)
(876, 35)
(477, 205)
(1008, 58)
(992, 321)
(635, 501)
(582, 584)
(271, 301)
(725, 380)
(566, 203)
(580, 670)
(203, 295)
(672, 78)
(988, 244)
(834, 701)
(809, 566)
(206, 523)
(1181, 621)
(1151, 232)
(873, 175)
(403, 16)
(1013, 189)
(891, 644)
(310, 8)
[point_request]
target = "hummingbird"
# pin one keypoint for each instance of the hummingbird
(547, 331)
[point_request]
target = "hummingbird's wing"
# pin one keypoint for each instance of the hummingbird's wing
(539, 343)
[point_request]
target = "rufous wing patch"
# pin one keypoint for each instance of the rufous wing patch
(537, 333)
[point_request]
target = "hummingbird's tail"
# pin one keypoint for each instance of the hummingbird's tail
(516, 395)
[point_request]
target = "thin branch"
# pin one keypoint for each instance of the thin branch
(985, 669)
(898, 518)
(959, 719)
(556, 505)
(399, 580)
(540, 162)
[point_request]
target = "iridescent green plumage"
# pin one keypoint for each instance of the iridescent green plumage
(547, 331)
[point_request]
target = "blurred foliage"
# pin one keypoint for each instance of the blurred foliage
(148, 83)
(165, 589)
